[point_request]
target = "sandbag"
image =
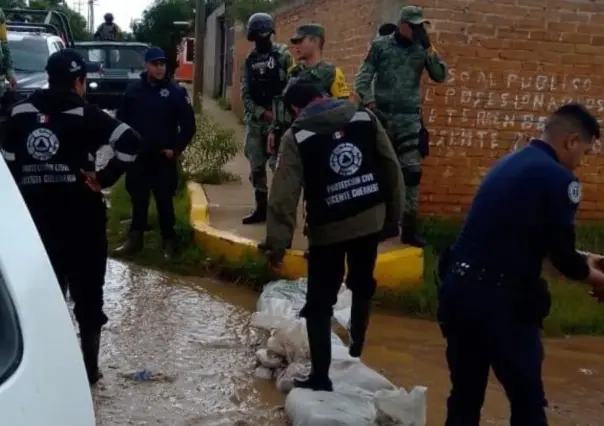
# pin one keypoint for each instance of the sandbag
(342, 407)
(401, 408)
(361, 395)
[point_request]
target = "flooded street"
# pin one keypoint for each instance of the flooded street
(193, 335)
(196, 340)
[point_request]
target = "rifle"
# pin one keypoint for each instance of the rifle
(281, 119)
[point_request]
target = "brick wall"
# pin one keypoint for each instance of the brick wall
(511, 63)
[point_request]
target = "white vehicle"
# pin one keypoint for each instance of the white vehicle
(42, 376)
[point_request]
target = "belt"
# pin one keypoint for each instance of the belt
(465, 270)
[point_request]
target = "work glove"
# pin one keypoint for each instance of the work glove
(275, 256)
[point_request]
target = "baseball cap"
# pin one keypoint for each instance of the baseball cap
(308, 30)
(66, 65)
(154, 54)
(412, 15)
(300, 93)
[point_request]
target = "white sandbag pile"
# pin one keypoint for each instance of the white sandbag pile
(361, 397)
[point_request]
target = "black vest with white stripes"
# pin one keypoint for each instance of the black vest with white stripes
(48, 150)
(341, 175)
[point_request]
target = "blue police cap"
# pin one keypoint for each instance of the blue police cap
(66, 64)
(154, 54)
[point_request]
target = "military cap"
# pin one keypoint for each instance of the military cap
(412, 15)
(308, 30)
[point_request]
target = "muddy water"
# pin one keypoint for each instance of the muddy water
(194, 335)
(197, 341)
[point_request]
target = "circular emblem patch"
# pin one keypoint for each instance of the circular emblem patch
(574, 192)
(42, 144)
(346, 159)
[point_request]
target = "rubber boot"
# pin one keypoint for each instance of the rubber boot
(91, 340)
(319, 341)
(389, 230)
(359, 321)
(133, 245)
(259, 214)
(409, 232)
(170, 249)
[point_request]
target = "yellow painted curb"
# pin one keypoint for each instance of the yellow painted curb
(398, 269)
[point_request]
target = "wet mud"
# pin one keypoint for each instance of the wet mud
(191, 343)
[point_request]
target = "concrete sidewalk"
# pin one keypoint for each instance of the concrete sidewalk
(230, 202)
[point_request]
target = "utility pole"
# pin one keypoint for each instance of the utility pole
(91, 4)
(200, 30)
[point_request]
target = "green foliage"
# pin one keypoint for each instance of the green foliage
(212, 148)
(224, 103)
(573, 310)
(191, 259)
(156, 26)
(11, 4)
(76, 21)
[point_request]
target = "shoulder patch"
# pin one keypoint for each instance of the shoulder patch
(574, 192)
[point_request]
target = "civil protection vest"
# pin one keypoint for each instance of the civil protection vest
(341, 173)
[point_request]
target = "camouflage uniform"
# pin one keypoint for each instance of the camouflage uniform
(108, 32)
(6, 62)
(256, 129)
(328, 78)
(397, 67)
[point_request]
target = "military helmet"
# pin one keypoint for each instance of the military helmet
(260, 23)
(108, 17)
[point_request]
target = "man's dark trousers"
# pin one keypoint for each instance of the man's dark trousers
(483, 330)
(326, 270)
(78, 254)
(153, 173)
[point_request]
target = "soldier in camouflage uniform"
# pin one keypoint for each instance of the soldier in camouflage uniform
(263, 78)
(329, 79)
(397, 62)
(6, 62)
(108, 30)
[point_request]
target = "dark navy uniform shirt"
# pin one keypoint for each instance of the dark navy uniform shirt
(523, 211)
(162, 114)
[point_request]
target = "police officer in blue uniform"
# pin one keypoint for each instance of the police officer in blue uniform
(49, 142)
(353, 189)
(161, 112)
(492, 299)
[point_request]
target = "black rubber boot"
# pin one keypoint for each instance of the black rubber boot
(170, 249)
(91, 340)
(359, 321)
(259, 214)
(409, 232)
(389, 230)
(133, 245)
(319, 341)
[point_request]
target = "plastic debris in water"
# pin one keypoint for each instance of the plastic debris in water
(139, 376)
(146, 375)
(143, 375)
